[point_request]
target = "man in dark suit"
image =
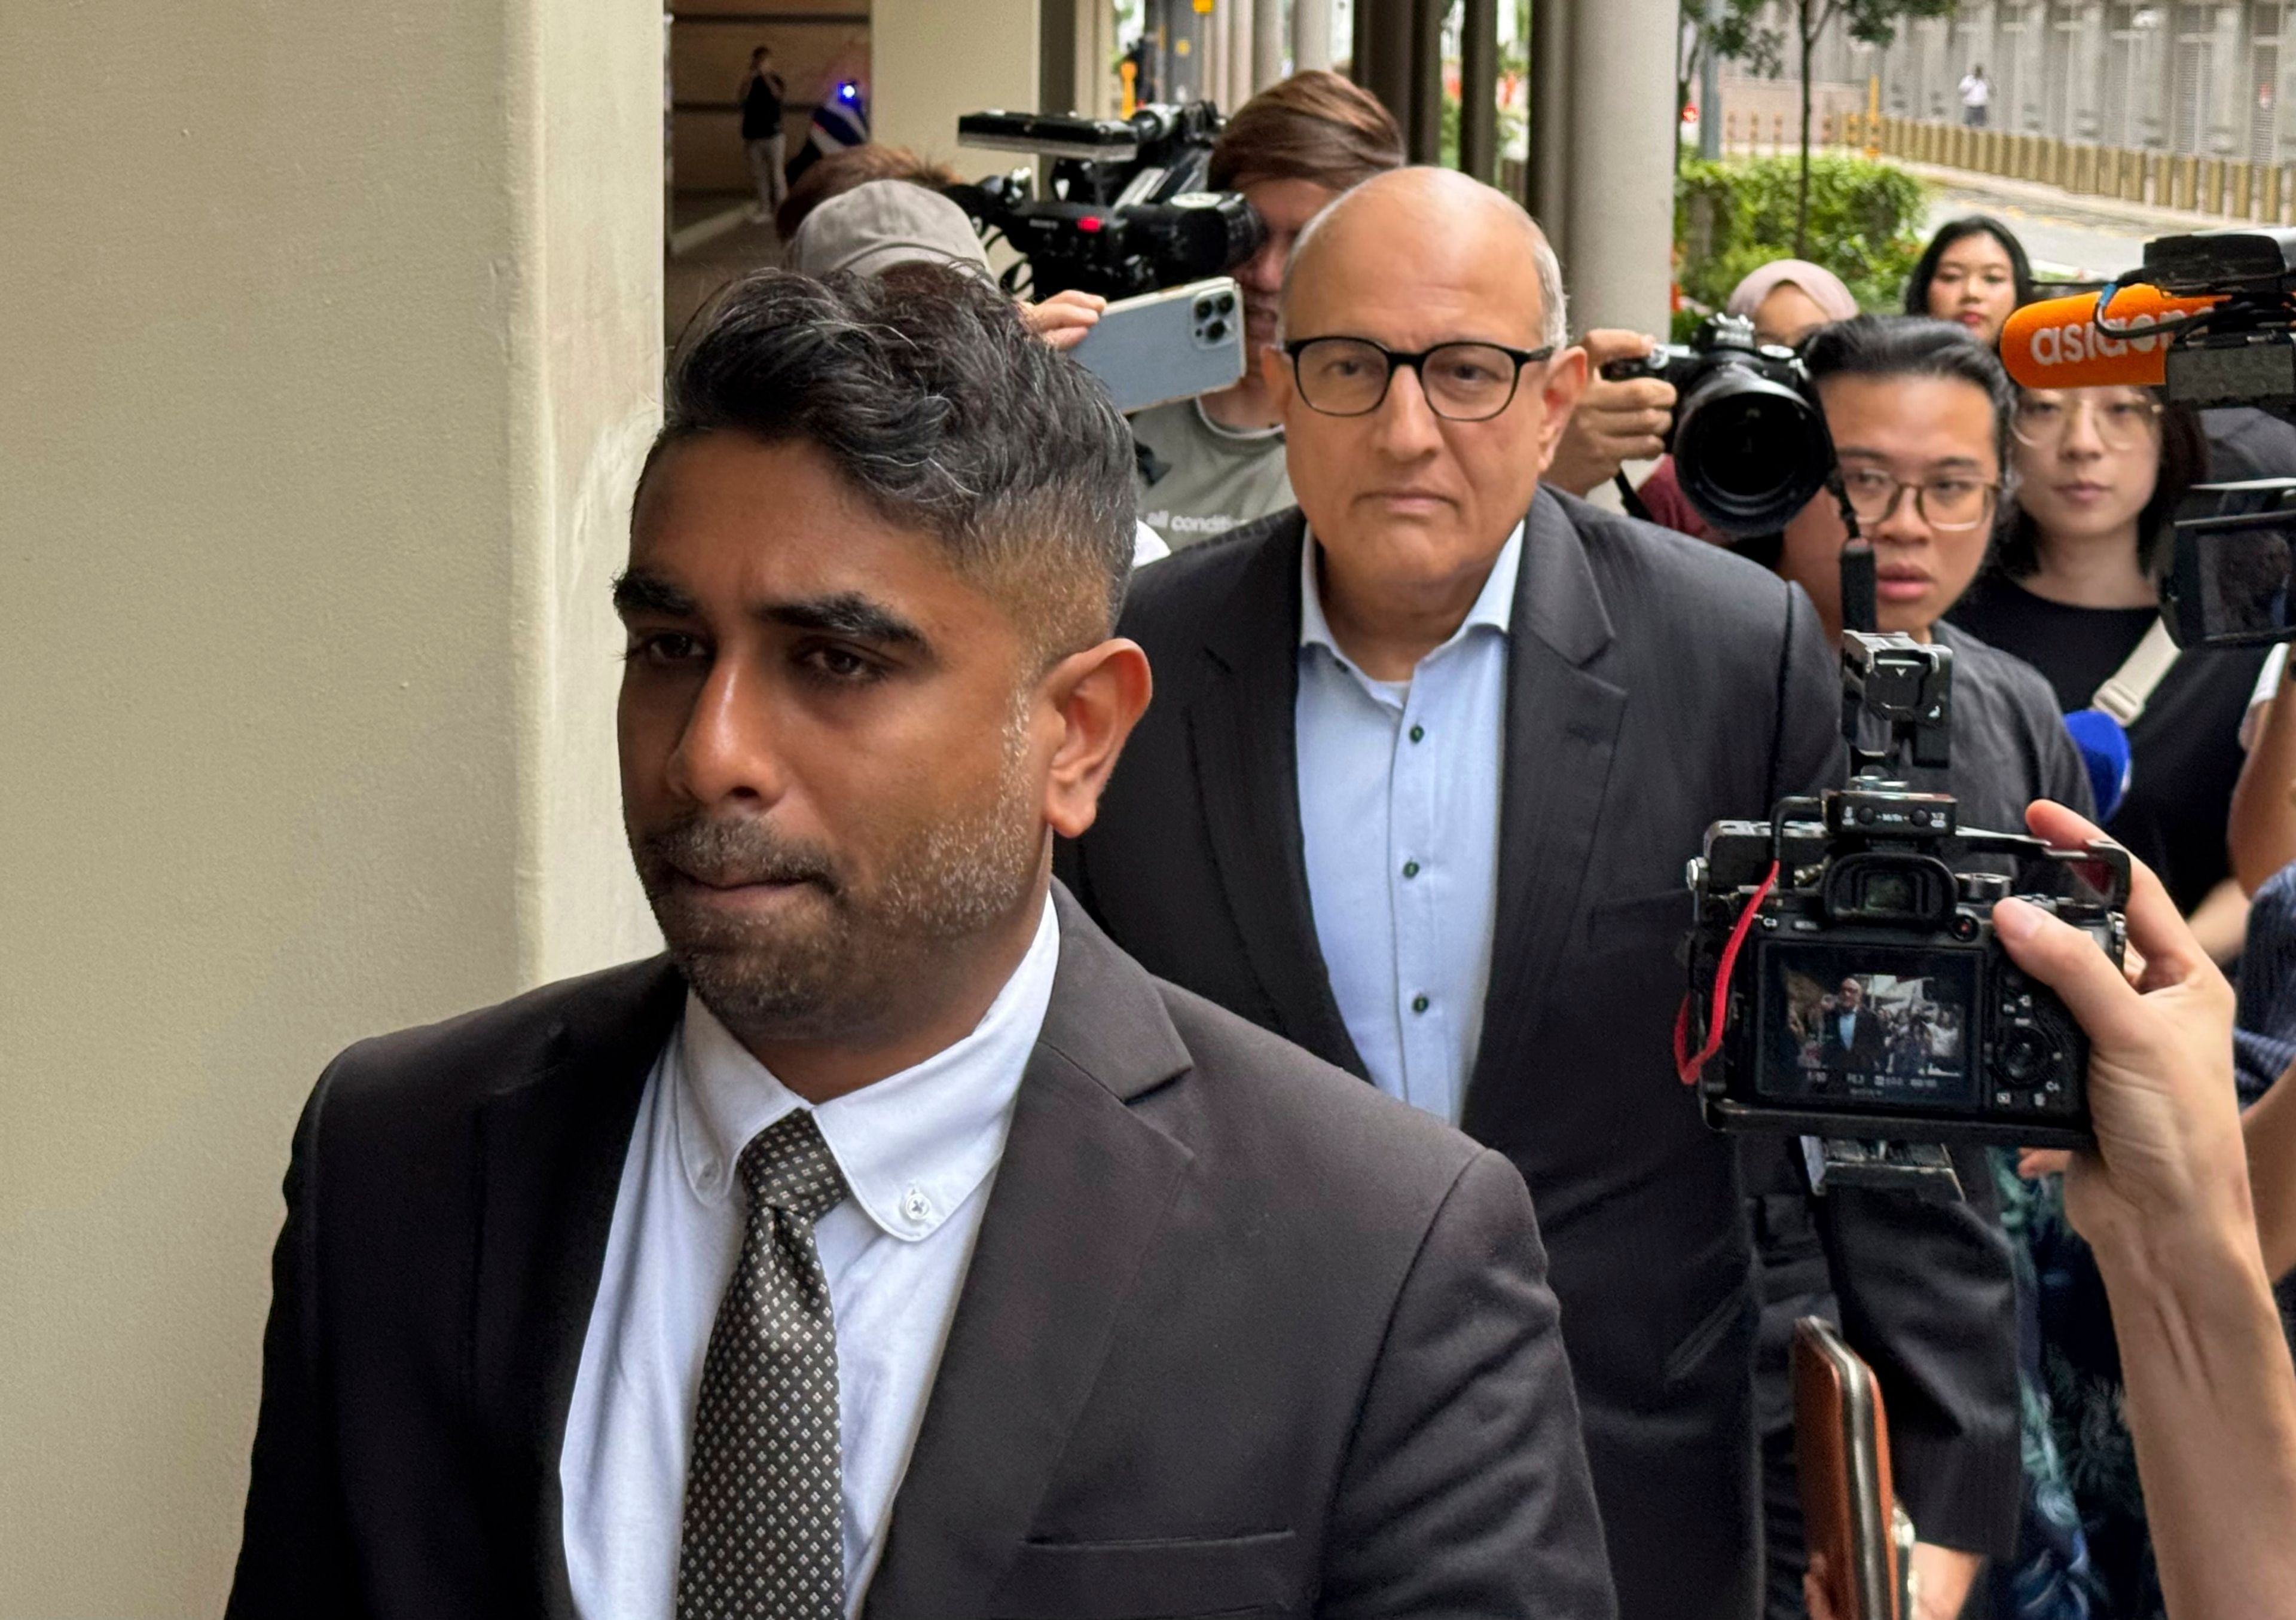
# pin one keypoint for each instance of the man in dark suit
(1417, 792)
(1850, 1034)
(896, 1245)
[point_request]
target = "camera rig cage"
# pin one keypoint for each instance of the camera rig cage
(1875, 876)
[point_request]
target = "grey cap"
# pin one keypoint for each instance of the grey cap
(871, 228)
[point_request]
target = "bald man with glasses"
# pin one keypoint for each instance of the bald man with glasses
(1426, 757)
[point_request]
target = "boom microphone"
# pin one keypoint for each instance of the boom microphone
(2057, 343)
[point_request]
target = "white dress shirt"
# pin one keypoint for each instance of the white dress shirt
(918, 1150)
(1399, 812)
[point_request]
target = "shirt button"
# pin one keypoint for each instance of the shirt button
(1419, 733)
(1418, 1004)
(1411, 869)
(915, 1206)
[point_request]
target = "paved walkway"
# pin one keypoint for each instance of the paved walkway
(2070, 238)
(719, 242)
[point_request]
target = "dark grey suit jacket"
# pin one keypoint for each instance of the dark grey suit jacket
(1238, 1337)
(1654, 684)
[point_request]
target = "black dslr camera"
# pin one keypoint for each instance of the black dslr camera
(1844, 978)
(1748, 437)
(1127, 212)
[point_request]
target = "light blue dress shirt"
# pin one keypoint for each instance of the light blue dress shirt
(1399, 812)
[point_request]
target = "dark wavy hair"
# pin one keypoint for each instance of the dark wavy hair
(1914, 346)
(2184, 462)
(940, 410)
(2021, 269)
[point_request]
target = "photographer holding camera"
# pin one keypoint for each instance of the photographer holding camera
(1919, 417)
(2166, 1200)
(1210, 463)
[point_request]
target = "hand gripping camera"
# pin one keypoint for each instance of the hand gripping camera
(1845, 982)
(1749, 437)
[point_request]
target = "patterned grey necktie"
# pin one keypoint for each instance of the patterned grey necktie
(762, 1539)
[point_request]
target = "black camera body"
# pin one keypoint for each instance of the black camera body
(1847, 947)
(1128, 212)
(1748, 437)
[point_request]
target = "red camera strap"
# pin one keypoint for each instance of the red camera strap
(1689, 1066)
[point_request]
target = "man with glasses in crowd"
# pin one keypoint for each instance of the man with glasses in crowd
(1426, 759)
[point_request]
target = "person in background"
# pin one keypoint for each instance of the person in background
(763, 137)
(1210, 463)
(1974, 270)
(1428, 757)
(2074, 589)
(1976, 97)
(2262, 834)
(841, 171)
(2170, 1200)
(1919, 415)
(1786, 300)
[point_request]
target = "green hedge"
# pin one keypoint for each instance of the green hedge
(1734, 217)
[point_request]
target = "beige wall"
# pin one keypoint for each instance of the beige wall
(328, 341)
(931, 61)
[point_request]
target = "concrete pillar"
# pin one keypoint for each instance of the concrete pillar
(1548, 175)
(332, 345)
(1266, 44)
(930, 62)
(1311, 35)
(1237, 49)
(1619, 225)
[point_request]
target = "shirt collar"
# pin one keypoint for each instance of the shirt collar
(1494, 606)
(914, 1146)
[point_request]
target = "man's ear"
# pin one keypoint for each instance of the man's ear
(1275, 376)
(1564, 382)
(1099, 694)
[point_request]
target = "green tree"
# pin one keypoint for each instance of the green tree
(1742, 29)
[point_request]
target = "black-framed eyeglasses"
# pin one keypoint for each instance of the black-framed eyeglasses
(1953, 504)
(1462, 382)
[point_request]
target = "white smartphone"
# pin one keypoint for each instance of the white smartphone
(1169, 345)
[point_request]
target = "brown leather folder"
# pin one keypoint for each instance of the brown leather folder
(1842, 1451)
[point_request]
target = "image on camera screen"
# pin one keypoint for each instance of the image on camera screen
(1878, 1027)
(2244, 569)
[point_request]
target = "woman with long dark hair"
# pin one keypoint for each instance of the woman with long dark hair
(2075, 586)
(1974, 270)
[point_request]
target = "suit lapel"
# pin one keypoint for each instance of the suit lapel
(550, 1148)
(1243, 728)
(1078, 1202)
(1562, 731)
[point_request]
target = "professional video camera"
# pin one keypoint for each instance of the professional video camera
(2210, 319)
(1748, 437)
(1127, 213)
(1845, 979)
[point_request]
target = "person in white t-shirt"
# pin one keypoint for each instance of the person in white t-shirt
(1976, 96)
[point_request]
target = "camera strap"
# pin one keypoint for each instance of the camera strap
(2130, 688)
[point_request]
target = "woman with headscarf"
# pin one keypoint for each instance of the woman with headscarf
(1786, 300)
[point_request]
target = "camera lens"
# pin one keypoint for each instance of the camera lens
(1750, 452)
(1217, 330)
(1224, 302)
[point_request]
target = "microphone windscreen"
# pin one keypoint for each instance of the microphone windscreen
(2105, 754)
(2057, 343)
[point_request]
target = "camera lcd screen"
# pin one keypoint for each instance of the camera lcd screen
(1876, 1025)
(2232, 579)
